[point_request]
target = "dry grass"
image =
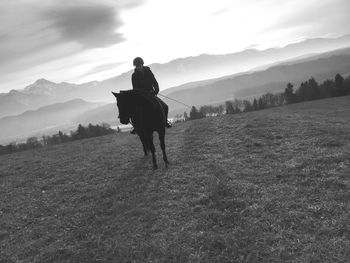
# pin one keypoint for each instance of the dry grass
(267, 186)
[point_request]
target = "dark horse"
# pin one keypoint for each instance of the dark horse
(147, 116)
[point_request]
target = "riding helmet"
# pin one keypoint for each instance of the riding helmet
(138, 61)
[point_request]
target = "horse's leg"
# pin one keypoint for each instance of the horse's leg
(162, 146)
(144, 145)
(145, 149)
(153, 151)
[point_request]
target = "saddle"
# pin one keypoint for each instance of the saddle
(153, 100)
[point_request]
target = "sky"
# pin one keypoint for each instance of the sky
(84, 40)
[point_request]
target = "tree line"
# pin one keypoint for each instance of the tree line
(311, 90)
(80, 133)
(307, 91)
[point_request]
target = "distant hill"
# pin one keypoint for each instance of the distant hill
(10, 105)
(42, 121)
(201, 67)
(198, 83)
(171, 74)
(39, 94)
(256, 83)
(106, 113)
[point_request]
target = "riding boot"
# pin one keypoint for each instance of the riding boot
(166, 110)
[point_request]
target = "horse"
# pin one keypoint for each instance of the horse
(147, 116)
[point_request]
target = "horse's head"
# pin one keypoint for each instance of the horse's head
(124, 107)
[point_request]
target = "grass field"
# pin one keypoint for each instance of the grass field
(266, 186)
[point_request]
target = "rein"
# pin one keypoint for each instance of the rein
(175, 100)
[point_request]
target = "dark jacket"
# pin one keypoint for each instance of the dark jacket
(145, 81)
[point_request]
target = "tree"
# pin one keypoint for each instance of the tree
(204, 110)
(339, 85)
(280, 99)
(238, 106)
(2, 149)
(195, 114)
(327, 89)
(314, 88)
(33, 142)
(303, 92)
(255, 104)
(63, 137)
(247, 106)
(186, 116)
(261, 104)
(81, 132)
(289, 94)
(45, 139)
(54, 139)
(347, 85)
(220, 109)
(229, 107)
(269, 100)
(12, 147)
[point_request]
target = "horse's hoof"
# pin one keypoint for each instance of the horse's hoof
(155, 167)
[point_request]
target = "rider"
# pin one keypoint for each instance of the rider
(143, 79)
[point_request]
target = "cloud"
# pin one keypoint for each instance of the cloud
(315, 16)
(220, 11)
(33, 33)
(30, 31)
(129, 3)
(103, 67)
(91, 25)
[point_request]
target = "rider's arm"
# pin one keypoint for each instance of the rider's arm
(134, 81)
(155, 83)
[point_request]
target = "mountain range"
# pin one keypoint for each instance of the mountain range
(45, 120)
(273, 79)
(205, 79)
(171, 74)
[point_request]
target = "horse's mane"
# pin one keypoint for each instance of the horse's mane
(152, 101)
(149, 103)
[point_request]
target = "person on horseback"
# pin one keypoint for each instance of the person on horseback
(143, 79)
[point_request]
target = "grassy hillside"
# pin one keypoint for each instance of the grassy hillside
(266, 186)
